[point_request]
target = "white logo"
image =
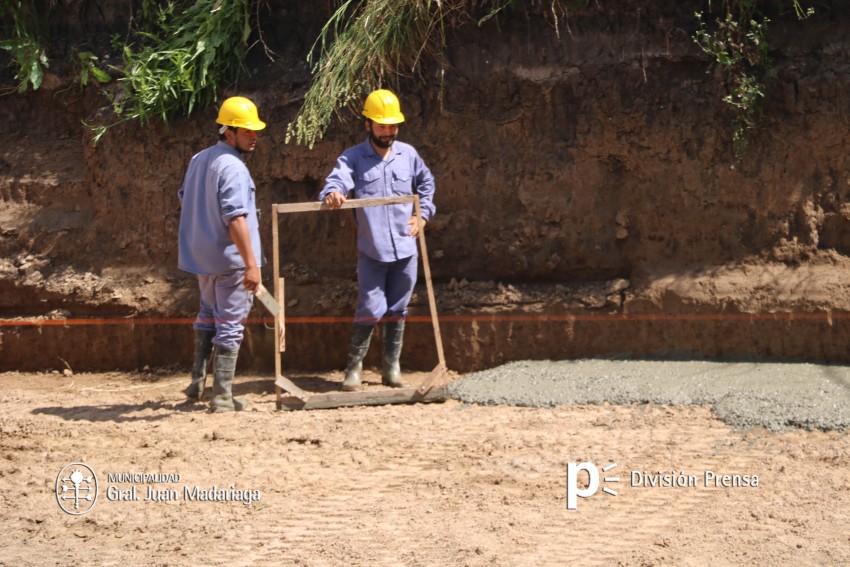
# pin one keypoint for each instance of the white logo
(573, 491)
(76, 488)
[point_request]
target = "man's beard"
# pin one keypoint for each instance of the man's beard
(381, 143)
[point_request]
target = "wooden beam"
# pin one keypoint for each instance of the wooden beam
(363, 398)
(290, 387)
(349, 204)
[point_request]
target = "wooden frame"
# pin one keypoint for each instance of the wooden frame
(295, 397)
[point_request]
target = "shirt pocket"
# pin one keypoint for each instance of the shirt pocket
(402, 182)
(369, 184)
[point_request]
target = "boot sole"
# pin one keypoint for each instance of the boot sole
(192, 395)
(228, 409)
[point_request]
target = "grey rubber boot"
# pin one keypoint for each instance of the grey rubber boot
(393, 339)
(361, 335)
(203, 350)
(224, 371)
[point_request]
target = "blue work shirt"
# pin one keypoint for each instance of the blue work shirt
(217, 188)
(361, 173)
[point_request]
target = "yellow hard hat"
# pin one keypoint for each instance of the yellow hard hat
(239, 112)
(382, 106)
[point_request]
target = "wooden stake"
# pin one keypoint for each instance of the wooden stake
(276, 267)
(280, 320)
(432, 303)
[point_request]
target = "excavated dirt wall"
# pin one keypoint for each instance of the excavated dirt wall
(589, 203)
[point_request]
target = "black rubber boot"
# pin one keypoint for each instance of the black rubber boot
(224, 371)
(361, 335)
(393, 339)
(203, 350)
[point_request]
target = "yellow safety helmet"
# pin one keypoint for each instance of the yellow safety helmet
(239, 112)
(382, 106)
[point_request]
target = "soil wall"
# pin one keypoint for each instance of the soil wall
(589, 203)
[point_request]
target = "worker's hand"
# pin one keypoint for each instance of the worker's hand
(334, 200)
(415, 227)
(252, 279)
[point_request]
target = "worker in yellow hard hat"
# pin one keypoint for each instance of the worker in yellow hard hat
(219, 241)
(381, 166)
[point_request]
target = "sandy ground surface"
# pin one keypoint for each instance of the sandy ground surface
(450, 483)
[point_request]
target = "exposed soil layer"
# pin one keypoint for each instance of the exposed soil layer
(588, 201)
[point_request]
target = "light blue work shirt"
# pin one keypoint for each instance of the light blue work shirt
(217, 188)
(360, 173)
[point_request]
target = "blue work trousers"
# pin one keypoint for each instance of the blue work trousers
(385, 288)
(225, 305)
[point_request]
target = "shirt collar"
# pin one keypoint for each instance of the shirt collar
(369, 150)
(225, 147)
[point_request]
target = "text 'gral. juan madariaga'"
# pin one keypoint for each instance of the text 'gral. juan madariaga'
(78, 489)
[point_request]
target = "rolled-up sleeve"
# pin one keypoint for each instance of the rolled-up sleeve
(424, 187)
(231, 192)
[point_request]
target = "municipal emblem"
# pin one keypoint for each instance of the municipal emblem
(76, 489)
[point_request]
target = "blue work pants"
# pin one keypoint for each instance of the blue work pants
(225, 305)
(385, 288)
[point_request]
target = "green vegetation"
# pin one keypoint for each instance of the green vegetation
(23, 40)
(179, 54)
(368, 44)
(364, 45)
(88, 70)
(176, 61)
(739, 49)
(183, 62)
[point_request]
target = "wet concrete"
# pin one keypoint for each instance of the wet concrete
(777, 396)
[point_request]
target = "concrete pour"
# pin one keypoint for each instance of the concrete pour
(777, 396)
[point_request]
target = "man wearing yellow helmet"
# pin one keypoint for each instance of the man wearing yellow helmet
(381, 166)
(219, 241)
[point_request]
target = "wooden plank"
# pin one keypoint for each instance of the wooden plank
(290, 387)
(276, 275)
(432, 303)
(363, 398)
(349, 204)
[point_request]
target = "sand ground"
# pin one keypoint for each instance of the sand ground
(430, 484)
